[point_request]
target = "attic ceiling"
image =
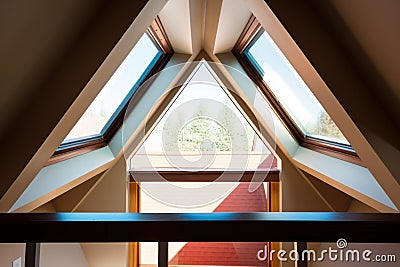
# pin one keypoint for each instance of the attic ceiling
(372, 37)
(31, 45)
(37, 106)
(43, 46)
(230, 18)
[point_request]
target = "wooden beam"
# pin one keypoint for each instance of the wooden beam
(211, 21)
(193, 175)
(179, 227)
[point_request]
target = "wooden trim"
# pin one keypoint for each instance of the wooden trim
(333, 151)
(251, 30)
(339, 151)
(330, 145)
(274, 197)
(134, 199)
(133, 254)
(78, 143)
(157, 33)
(179, 227)
(193, 175)
(86, 148)
(134, 206)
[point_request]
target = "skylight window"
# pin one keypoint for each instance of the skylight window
(117, 91)
(291, 91)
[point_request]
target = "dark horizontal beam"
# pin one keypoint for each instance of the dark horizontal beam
(207, 227)
(195, 175)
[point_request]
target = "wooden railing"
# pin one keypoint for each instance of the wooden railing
(301, 227)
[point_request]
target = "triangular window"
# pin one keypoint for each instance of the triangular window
(202, 122)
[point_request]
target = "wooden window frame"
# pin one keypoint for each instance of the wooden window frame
(273, 195)
(87, 144)
(250, 34)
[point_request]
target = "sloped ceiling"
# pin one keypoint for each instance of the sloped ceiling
(33, 110)
(373, 36)
(366, 32)
(31, 45)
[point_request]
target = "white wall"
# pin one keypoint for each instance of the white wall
(105, 254)
(62, 255)
(51, 255)
(108, 195)
(10, 252)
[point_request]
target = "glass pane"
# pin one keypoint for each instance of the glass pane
(291, 91)
(120, 86)
(240, 199)
(202, 122)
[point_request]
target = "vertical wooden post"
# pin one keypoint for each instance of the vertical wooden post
(274, 205)
(134, 205)
(32, 254)
(274, 194)
(162, 254)
(301, 246)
